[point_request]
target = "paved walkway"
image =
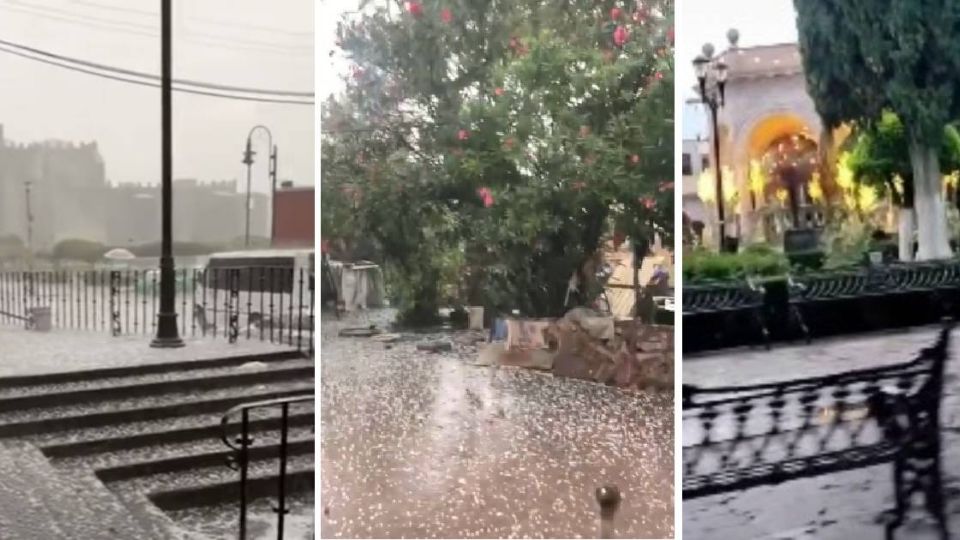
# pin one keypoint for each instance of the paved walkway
(841, 506)
(429, 446)
(24, 352)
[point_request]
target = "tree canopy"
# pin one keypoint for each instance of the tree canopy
(879, 157)
(492, 146)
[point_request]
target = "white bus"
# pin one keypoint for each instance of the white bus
(274, 290)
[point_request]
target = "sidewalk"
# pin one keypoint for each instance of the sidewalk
(24, 352)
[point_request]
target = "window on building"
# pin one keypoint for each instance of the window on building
(687, 167)
(704, 162)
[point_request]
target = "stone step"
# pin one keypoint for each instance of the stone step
(202, 380)
(121, 468)
(262, 482)
(37, 502)
(108, 413)
(13, 383)
(135, 436)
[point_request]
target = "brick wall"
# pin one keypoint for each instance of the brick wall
(294, 209)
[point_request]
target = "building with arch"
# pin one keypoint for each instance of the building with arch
(772, 149)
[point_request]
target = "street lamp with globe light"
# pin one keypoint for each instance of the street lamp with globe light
(711, 74)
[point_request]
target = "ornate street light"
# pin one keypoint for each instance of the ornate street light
(248, 154)
(712, 79)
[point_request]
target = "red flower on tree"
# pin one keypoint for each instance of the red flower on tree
(658, 75)
(615, 13)
(414, 8)
(498, 91)
(635, 159)
(670, 35)
(463, 135)
(446, 15)
(486, 196)
(620, 36)
(648, 203)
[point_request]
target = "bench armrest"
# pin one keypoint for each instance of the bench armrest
(892, 408)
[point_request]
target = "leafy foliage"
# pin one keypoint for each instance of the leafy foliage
(79, 250)
(754, 261)
(489, 147)
(880, 156)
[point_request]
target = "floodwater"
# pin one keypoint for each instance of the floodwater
(416, 444)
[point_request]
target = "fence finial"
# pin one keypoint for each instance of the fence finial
(608, 497)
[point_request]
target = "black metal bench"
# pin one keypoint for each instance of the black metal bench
(735, 438)
(869, 282)
(727, 298)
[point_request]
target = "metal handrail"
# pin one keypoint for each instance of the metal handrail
(241, 461)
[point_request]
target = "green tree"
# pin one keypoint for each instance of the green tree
(74, 249)
(505, 139)
(879, 157)
(12, 248)
(863, 56)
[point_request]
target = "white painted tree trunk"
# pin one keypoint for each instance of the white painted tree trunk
(905, 235)
(928, 202)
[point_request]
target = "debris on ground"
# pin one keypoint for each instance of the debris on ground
(361, 331)
(387, 338)
(585, 344)
(435, 346)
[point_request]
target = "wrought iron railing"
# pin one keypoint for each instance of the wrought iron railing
(240, 444)
(273, 304)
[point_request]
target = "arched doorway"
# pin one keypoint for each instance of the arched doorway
(783, 186)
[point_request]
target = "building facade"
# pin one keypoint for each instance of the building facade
(52, 191)
(294, 222)
(771, 147)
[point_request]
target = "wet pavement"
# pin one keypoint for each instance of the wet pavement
(24, 352)
(429, 445)
(843, 506)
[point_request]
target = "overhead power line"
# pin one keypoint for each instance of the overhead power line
(148, 30)
(210, 22)
(153, 84)
(143, 75)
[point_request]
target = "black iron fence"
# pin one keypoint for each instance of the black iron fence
(273, 304)
(241, 443)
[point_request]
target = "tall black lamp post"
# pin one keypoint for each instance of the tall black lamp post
(168, 335)
(248, 154)
(712, 78)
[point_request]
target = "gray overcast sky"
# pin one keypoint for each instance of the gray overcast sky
(236, 42)
(760, 22)
(331, 67)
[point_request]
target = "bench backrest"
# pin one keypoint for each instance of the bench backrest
(720, 297)
(737, 437)
(887, 278)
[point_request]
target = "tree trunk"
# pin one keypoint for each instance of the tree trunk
(931, 214)
(905, 234)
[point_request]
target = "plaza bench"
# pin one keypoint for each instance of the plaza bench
(727, 298)
(740, 437)
(864, 284)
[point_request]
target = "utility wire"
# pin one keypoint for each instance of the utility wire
(143, 75)
(209, 22)
(130, 27)
(153, 84)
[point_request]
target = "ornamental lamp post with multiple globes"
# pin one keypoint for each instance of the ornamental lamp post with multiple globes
(711, 74)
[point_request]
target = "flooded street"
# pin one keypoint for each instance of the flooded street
(417, 444)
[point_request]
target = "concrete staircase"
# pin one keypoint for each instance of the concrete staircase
(130, 443)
